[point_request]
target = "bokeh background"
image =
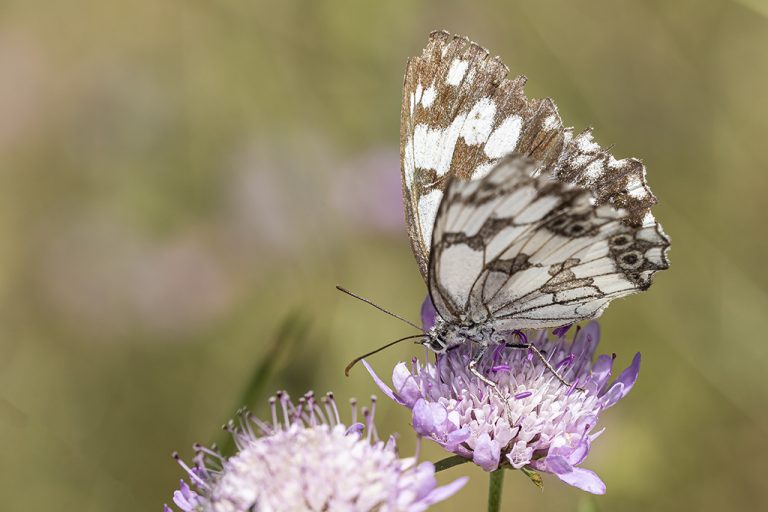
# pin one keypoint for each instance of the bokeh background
(184, 182)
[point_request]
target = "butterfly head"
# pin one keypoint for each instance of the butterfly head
(444, 336)
(436, 338)
(435, 342)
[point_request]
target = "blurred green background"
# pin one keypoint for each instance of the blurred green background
(181, 177)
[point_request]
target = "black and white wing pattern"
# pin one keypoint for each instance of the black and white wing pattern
(542, 238)
(460, 115)
(620, 183)
(520, 249)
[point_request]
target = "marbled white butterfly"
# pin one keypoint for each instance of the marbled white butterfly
(515, 221)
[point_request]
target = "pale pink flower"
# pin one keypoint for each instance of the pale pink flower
(530, 419)
(307, 459)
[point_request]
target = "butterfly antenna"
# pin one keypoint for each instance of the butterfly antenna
(368, 301)
(360, 358)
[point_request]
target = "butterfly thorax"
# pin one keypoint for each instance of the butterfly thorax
(444, 336)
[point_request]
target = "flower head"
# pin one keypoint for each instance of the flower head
(529, 419)
(307, 459)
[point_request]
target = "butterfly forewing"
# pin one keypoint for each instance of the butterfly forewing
(525, 251)
(460, 115)
(620, 183)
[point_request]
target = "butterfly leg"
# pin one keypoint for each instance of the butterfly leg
(537, 353)
(472, 366)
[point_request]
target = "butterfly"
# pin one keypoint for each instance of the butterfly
(515, 221)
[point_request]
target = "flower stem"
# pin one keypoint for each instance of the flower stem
(449, 462)
(495, 483)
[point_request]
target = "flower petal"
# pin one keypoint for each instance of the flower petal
(573, 449)
(597, 434)
(601, 372)
(383, 387)
(583, 479)
(623, 384)
(520, 455)
(557, 464)
(486, 453)
(446, 491)
(405, 385)
(428, 313)
(423, 479)
(457, 437)
(586, 423)
(613, 395)
(183, 500)
(585, 343)
(579, 452)
(355, 428)
(628, 376)
(428, 417)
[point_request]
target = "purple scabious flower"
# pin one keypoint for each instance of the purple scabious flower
(305, 458)
(529, 420)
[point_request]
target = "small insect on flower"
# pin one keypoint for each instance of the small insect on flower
(526, 419)
(307, 459)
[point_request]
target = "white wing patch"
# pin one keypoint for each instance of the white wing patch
(503, 140)
(428, 206)
(482, 171)
(459, 267)
(479, 122)
(456, 72)
(538, 209)
(428, 98)
(433, 147)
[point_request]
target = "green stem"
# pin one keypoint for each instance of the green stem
(449, 462)
(495, 483)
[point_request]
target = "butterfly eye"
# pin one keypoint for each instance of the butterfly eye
(437, 345)
(621, 241)
(631, 260)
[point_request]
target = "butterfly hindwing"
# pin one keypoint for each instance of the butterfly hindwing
(523, 250)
